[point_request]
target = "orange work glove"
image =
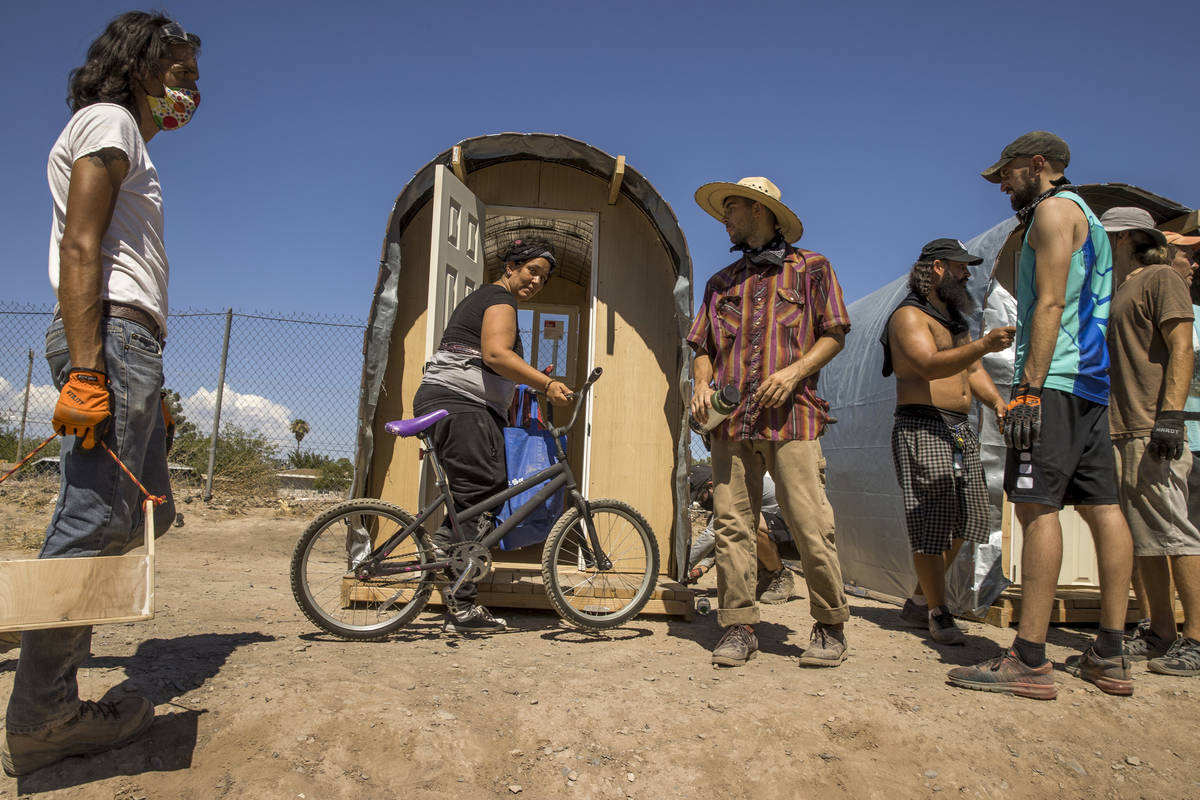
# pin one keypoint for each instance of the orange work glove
(168, 419)
(83, 406)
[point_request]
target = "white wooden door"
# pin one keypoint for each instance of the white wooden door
(456, 266)
(456, 261)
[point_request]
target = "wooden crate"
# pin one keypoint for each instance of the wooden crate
(1072, 605)
(520, 586)
(67, 592)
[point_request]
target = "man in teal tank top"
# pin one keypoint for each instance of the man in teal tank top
(1056, 426)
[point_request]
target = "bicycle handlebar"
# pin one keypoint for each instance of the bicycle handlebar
(579, 398)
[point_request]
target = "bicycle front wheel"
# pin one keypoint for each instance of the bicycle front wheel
(331, 593)
(600, 589)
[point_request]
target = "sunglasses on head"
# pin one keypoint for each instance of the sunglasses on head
(173, 31)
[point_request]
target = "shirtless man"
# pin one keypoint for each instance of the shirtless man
(934, 446)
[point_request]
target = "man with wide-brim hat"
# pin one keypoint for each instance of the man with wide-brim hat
(1056, 424)
(767, 324)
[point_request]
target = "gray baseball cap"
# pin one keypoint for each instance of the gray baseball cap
(1131, 218)
(1034, 143)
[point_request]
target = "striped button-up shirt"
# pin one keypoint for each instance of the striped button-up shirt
(757, 319)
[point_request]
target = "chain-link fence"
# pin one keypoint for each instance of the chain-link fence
(286, 412)
(288, 405)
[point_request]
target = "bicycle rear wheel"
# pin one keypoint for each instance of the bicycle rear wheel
(337, 600)
(581, 586)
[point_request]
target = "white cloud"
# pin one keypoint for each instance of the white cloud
(250, 412)
(41, 404)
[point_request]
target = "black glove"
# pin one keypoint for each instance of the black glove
(1166, 440)
(1023, 422)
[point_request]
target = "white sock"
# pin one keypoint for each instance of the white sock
(919, 599)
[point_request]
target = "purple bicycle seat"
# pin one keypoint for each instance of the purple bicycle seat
(409, 427)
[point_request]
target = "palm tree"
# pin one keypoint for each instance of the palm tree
(299, 430)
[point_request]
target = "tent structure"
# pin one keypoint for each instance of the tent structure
(862, 484)
(621, 300)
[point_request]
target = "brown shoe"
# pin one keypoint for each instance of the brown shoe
(826, 647)
(97, 727)
(1007, 673)
(737, 646)
(1111, 675)
(779, 587)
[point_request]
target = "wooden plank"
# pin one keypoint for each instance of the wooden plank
(456, 163)
(614, 185)
(1072, 605)
(67, 592)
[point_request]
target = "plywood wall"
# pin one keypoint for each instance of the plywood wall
(395, 468)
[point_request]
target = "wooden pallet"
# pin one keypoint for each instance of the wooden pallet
(520, 586)
(1072, 605)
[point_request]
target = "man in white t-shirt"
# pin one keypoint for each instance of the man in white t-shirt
(108, 268)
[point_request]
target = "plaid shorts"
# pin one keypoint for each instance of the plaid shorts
(941, 478)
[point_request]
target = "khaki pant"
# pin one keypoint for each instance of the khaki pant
(799, 472)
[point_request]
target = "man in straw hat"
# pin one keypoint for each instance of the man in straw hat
(1056, 426)
(1150, 343)
(767, 324)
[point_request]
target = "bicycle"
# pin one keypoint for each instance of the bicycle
(365, 568)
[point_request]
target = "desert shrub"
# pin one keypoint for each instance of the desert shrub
(307, 459)
(335, 476)
(246, 461)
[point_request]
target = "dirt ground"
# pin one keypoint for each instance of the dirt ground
(253, 702)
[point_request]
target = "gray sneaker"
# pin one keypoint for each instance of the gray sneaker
(96, 727)
(915, 616)
(737, 646)
(779, 587)
(942, 627)
(1145, 644)
(826, 647)
(476, 619)
(1183, 659)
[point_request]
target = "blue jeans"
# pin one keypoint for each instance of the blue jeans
(99, 510)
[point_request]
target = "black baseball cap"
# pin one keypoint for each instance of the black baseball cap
(1034, 143)
(949, 250)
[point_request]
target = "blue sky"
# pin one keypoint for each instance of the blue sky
(873, 118)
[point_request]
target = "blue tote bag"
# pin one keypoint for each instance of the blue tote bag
(528, 448)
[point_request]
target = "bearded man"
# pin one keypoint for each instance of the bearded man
(1056, 426)
(934, 447)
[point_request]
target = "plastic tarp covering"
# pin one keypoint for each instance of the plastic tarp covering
(871, 535)
(476, 154)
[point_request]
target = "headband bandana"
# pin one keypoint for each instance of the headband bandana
(530, 252)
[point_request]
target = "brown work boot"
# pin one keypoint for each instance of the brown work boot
(737, 646)
(1007, 673)
(826, 647)
(1111, 675)
(780, 584)
(95, 728)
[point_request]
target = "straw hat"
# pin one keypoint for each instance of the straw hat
(711, 197)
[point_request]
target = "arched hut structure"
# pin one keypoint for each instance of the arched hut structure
(620, 300)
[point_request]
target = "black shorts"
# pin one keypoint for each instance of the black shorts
(1071, 463)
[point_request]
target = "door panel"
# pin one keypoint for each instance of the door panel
(456, 253)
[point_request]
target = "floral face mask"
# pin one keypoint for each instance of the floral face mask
(174, 109)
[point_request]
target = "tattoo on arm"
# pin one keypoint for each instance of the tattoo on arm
(108, 156)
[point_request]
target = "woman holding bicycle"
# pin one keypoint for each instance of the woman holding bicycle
(473, 375)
